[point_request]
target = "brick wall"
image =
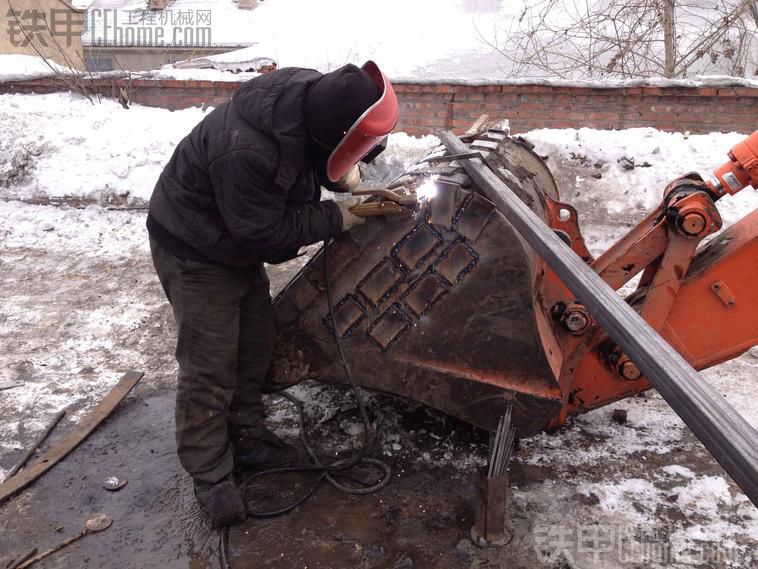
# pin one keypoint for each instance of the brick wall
(428, 108)
(697, 109)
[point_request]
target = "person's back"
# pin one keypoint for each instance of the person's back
(229, 192)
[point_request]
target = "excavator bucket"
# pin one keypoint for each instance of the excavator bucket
(447, 304)
(441, 305)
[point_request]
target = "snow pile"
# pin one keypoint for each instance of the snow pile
(614, 178)
(402, 151)
(86, 231)
(61, 145)
(416, 41)
(626, 496)
(654, 431)
(16, 67)
(210, 74)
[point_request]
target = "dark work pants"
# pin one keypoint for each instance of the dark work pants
(225, 340)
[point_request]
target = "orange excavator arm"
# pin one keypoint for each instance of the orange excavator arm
(700, 299)
(741, 171)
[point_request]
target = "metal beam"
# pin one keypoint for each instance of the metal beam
(731, 440)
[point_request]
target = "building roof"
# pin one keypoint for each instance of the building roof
(183, 23)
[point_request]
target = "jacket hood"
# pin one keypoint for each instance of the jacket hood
(274, 104)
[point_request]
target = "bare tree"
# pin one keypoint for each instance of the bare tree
(584, 39)
(43, 41)
(72, 73)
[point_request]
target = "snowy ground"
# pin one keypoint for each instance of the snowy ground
(454, 39)
(81, 305)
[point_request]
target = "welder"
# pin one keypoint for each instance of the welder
(243, 189)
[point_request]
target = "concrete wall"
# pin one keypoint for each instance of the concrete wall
(430, 108)
(53, 27)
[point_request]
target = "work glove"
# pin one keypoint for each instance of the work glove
(349, 182)
(349, 219)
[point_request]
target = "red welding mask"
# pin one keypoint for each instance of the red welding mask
(366, 138)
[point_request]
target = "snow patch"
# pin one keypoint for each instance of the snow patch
(17, 67)
(62, 145)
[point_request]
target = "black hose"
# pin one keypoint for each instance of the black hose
(325, 471)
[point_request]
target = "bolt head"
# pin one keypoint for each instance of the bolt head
(576, 321)
(693, 224)
(629, 371)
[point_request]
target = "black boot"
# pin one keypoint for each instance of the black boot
(221, 501)
(260, 449)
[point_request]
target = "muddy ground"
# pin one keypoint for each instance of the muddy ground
(81, 305)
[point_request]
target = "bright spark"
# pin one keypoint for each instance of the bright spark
(427, 190)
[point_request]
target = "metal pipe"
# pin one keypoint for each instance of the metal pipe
(724, 432)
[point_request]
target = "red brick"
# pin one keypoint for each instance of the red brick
(603, 116)
(407, 88)
(726, 92)
(747, 92)
(707, 91)
(225, 85)
(530, 106)
(541, 89)
(475, 97)
(682, 92)
(170, 83)
(575, 90)
(466, 106)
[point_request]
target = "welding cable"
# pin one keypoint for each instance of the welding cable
(327, 471)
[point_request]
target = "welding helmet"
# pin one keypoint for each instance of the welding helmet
(350, 112)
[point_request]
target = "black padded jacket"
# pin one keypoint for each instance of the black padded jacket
(241, 188)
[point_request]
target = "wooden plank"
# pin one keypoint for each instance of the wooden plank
(477, 126)
(731, 440)
(72, 440)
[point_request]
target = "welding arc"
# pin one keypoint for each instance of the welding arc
(326, 471)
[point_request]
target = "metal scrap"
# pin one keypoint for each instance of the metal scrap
(41, 439)
(82, 430)
(94, 524)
